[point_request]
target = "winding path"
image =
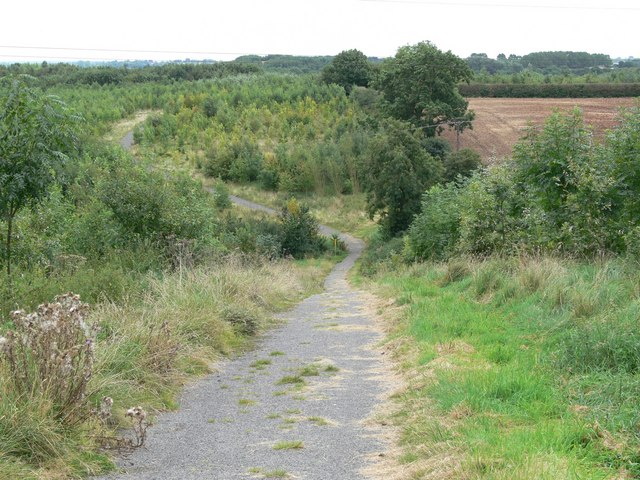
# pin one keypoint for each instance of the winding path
(312, 382)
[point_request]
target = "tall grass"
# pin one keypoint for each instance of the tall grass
(146, 348)
(527, 365)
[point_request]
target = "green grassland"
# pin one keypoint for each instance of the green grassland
(517, 368)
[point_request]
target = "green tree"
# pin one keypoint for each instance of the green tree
(550, 163)
(299, 231)
(463, 162)
(437, 147)
(419, 85)
(399, 171)
(623, 155)
(36, 137)
(348, 68)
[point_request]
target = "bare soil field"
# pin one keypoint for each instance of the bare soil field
(501, 122)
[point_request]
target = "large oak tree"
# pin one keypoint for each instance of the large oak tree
(420, 85)
(349, 68)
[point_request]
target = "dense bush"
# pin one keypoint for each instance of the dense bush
(398, 172)
(108, 221)
(435, 232)
(460, 164)
(550, 90)
(437, 147)
(299, 235)
(561, 192)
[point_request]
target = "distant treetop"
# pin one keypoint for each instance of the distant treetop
(348, 69)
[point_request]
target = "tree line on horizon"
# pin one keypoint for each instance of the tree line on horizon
(535, 67)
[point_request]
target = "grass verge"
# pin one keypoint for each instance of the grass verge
(522, 368)
(146, 350)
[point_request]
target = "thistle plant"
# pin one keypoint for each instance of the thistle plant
(140, 424)
(50, 354)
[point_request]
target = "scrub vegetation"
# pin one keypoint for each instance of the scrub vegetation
(514, 285)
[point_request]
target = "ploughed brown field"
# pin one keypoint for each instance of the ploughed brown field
(501, 122)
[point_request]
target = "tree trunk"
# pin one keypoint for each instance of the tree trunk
(9, 231)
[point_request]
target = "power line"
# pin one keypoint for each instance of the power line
(504, 5)
(47, 57)
(121, 50)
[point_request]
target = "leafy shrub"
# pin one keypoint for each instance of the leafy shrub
(491, 213)
(299, 234)
(96, 230)
(380, 253)
(462, 163)
(152, 208)
(435, 232)
(221, 195)
(437, 147)
(269, 179)
(158, 128)
(246, 162)
(621, 152)
(559, 193)
(252, 234)
(632, 244)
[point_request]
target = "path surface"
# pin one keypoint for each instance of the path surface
(229, 422)
(127, 141)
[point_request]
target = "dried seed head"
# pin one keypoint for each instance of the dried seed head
(105, 408)
(137, 413)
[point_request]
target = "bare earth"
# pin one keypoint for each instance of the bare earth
(501, 122)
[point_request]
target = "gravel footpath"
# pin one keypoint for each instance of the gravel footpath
(127, 141)
(229, 422)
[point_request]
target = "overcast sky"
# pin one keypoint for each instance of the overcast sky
(161, 29)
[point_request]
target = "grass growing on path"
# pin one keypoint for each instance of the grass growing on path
(518, 369)
(291, 380)
(289, 445)
(278, 473)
